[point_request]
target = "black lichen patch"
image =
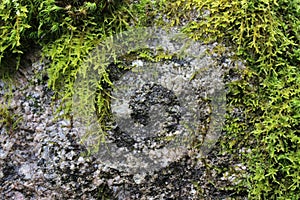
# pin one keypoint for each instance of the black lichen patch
(140, 103)
(152, 94)
(122, 139)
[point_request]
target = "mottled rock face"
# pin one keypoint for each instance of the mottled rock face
(166, 116)
(40, 158)
(159, 110)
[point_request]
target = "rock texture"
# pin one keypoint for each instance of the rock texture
(41, 156)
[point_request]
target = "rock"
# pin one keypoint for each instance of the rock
(45, 159)
(80, 160)
(65, 123)
(26, 170)
(40, 128)
(19, 196)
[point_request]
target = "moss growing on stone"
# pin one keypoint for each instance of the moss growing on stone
(266, 35)
(263, 106)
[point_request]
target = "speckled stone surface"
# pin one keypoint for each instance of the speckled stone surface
(42, 158)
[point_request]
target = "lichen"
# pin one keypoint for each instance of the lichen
(263, 104)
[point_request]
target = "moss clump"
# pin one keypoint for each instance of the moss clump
(8, 119)
(65, 30)
(24, 23)
(266, 35)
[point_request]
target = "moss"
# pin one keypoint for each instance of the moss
(264, 33)
(8, 119)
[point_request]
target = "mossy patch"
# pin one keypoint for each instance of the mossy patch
(264, 33)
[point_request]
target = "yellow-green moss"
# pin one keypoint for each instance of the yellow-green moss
(264, 33)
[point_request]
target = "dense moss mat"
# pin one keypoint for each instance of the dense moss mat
(263, 33)
(266, 34)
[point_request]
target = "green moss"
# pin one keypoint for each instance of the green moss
(264, 33)
(8, 119)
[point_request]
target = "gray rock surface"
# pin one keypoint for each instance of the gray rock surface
(42, 157)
